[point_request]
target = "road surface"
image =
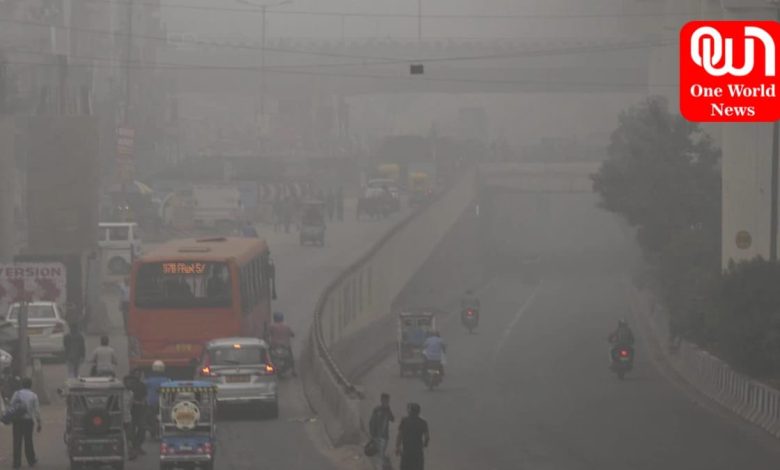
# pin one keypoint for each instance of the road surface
(532, 390)
(293, 441)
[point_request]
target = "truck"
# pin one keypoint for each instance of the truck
(217, 206)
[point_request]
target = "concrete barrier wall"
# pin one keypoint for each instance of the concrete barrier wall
(363, 295)
(754, 401)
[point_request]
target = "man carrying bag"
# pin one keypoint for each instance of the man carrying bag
(23, 413)
(379, 428)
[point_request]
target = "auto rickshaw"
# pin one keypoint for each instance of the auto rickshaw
(94, 422)
(413, 329)
(188, 433)
(420, 189)
(313, 222)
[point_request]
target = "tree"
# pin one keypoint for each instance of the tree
(748, 317)
(662, 175)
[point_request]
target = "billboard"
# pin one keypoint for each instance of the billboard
(32, 281)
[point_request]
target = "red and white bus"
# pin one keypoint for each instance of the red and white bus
(186, 292)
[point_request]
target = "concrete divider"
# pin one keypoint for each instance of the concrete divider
(750, 399)
(362, 297)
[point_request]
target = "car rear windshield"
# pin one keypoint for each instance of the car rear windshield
(34, 312)
(182, 285)
(237, 356)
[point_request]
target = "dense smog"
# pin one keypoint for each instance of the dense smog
(419, 234)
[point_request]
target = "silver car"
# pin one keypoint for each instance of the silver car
(242, 370)
(45, 327)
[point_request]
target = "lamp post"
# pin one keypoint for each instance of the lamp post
(264, 24)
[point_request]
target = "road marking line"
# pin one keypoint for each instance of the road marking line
(516, 319)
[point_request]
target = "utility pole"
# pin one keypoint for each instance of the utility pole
(128, 56)
(263, 9)
(24, 345)
(419, 21)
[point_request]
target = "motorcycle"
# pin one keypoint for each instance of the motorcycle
(622, 359)
(432, 375)
(280, 357)
(470, 319)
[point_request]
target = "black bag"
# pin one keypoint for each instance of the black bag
(371, 448)
(13, 413)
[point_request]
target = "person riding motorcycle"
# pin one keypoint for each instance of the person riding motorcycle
(469, 301)
(280, 335)
(433, 350)
(153, 382)
(622, 334)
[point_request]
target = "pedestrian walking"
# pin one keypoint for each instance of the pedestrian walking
(138, 407)
(75, 350)
(412, 439)
(379, 428)
(103, 360)
(24, 423)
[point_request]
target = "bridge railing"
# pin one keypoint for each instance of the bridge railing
(361, 296)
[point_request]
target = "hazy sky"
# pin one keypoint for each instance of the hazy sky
(215, 23)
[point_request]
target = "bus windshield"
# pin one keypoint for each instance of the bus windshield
(181, 285)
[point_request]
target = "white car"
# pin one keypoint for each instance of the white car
(45, 327)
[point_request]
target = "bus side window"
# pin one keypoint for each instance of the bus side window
(257, 266)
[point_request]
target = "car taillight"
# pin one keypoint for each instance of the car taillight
(205, 371)
(58, 328)
(269, 368)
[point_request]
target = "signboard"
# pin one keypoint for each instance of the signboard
(744, 240)
(31, 281)
(125, 143)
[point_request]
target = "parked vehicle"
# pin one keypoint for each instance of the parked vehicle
(46, 327)
(242, 371)
(94, 422)
(188, 431)
(413, 329)
(120, 244)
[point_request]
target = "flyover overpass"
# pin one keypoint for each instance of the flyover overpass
(370, 66)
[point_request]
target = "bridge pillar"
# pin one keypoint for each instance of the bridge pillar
(746, 174)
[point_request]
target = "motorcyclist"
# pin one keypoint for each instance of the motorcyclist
(280, 335)
(433, 350)
(153, 382)
(622, 334)
(469, 300)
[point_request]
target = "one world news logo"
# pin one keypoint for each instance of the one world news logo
(728, 71)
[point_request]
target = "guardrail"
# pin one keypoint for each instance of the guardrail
(750, 399)
(363, 293)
